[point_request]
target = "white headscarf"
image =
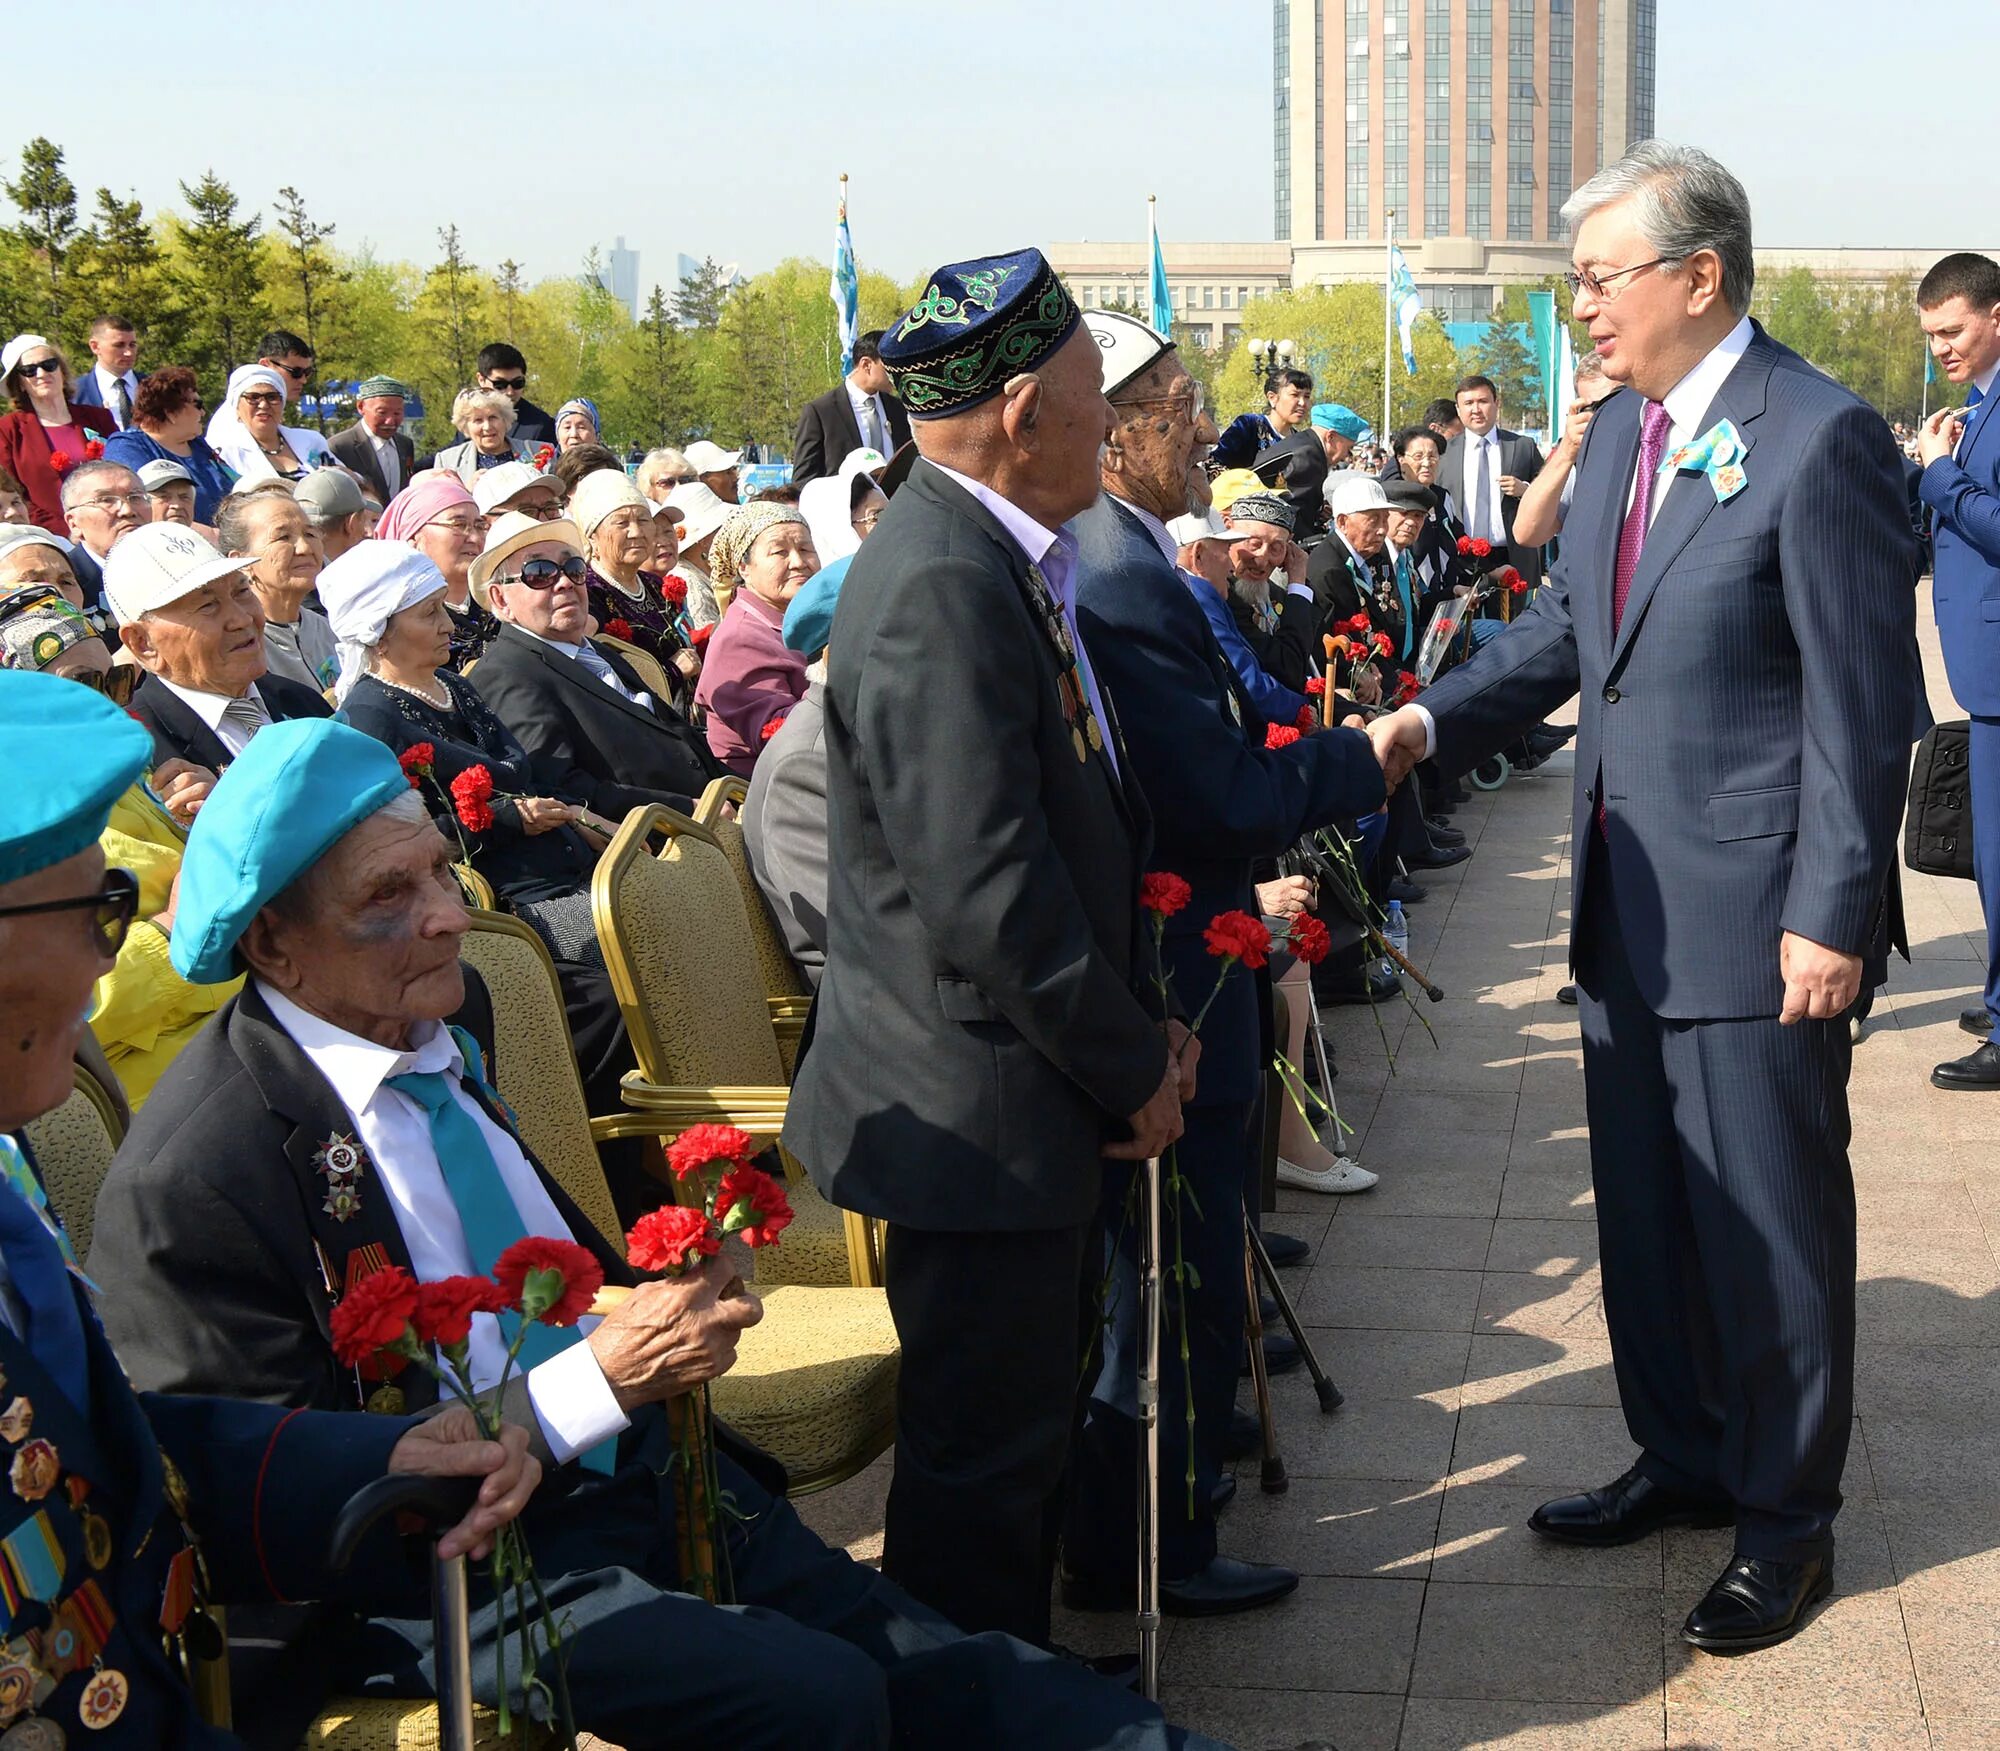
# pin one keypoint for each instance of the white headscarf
(601, 492)
(826, 503)
(360, 590)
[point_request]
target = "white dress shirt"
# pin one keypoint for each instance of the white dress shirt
(388, 462)
(107, 387)
(232, 729)
(572, 1400)
(867, 408)
(592, 662)
(1687, 405)
(1483, 453)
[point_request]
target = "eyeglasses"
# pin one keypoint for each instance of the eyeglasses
(867, 519)
(297, 373)
(459, 526)
(262, 398)
(506, 383)
(1192, 400)
(545, 574)
(115, 683)
(116, 904)
(115, 501)
(1594, 283)
(541, 509)
(39, 366)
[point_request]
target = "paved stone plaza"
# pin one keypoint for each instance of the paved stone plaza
(1457, 1307)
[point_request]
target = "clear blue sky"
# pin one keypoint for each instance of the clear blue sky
(720, 129)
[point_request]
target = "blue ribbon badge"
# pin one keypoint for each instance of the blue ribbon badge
(1717, 453)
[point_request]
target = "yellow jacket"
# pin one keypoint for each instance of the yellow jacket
(145, 1011)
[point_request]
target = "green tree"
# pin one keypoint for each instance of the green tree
(219, 280)
(312, 274)
(47, 199)
(659, 375)
(698, 303)
(448, 320)
(118, 266)
(508, 289)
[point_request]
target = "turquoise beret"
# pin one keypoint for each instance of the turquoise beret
(809, 620)
(69, 754)
(1331, 416)
(278, 809)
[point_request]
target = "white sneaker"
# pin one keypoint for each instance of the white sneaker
(1342, 1177)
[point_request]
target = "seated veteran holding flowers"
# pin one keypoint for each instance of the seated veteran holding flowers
(142, 1011)
(98, 1519)
(315, 869)
(750, 679)
(627, 598)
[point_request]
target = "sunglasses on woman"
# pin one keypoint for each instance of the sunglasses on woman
(39, 366)
(114, 906)
(545, 574)
(115, 683)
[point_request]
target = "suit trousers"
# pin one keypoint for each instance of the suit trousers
(1100, 1536)
(990, 1325)
(1984, 748)
(1725, 1218)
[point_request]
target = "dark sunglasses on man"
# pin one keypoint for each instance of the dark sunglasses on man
(116, 683)
(113, 907)
(545, 574)
(508, 383)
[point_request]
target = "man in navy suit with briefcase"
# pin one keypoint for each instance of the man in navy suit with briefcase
(1733, 602)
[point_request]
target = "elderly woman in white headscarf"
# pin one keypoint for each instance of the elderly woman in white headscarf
(750, 678)
(262, 447)
(630, 600)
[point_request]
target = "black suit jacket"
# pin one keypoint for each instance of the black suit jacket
(827, 430)
(586, 741)
(1519, 456)
(354, 448)
(976, 1038)
(179, 733)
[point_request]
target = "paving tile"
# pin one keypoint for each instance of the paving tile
(1555, 1307)
(1357, 1634)
(1444, 1243)
(1428, 1187)
(1946, 1550)
(1483, 1536)
(1963, 1733)
(1695, 1557)
(1567, 1447)
(1851, 1659)
(1365, 1437)
(1511, 1369)
(1542, 1248)
(1957, 1655)
(1336, 1526)
(1925, 1459)
(1394, 1364)
(1279, 1720)
(1539, 1644)
(1395, 1300)
(1721, 1729)
(1560, 1193)
(1451, 1724)
(1955, 1386)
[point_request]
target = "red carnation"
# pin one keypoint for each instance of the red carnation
(1446, 628)
(675, 588)
(1406, 687)
(374, 1315)
(1382, 644)
(445, 1308)
(619, 628)
(1163, 893)
(1316, 687)
(753, 1205)
(772, 725)
(1279, 735)
(1358, 623)
(417, 761)
(93, 450)
(554, 1281)
(471, 792)
(1307, 721)
(699, 1145)
(62, 461)
(671, 1238)
(1310, 940)
(1516, 584)
(544, 456)
(1464, 546)
(1236, 936)
(1481, 547)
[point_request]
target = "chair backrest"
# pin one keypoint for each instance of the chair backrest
(533, 1067)
(73, 1146)
(775, 965)
(677, 942)
(642, 663)
(476, 889)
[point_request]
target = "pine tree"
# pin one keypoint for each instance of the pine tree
(220, 281)
(117, 266)
(451, 295)
(47, 199)
(661, 378)
(698, 303)
(311, 270)
(509, 287)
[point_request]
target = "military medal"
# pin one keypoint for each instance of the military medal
(1084, 733)
(341, 1160)
(36, 1468)
(17, 1420)
(34, 1734)
(97, 1540)
(23, 1683)
(103, 1699)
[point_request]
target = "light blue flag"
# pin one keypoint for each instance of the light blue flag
(846, 287)
(1162, 317)
(1403, 300)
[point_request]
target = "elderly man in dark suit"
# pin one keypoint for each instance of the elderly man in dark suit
(374, 446)
(856, 412)
(977, 1043)
(1195, 744)
(1733, 599)
(1486, 469)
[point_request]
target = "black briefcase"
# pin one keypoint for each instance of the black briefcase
(1937, 830)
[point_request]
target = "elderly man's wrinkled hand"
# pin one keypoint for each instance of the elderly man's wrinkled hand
(1157, 1123)
(668, 1337)
(451, 1444)
(182, 787)
(1821, 983)
(1400, 740)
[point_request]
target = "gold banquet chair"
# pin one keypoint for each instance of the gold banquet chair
(786, 988)
(642, 663)
(73, 1146)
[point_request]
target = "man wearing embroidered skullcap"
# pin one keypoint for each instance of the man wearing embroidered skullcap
(106, 1483)
(978, 1044)
(374, 446)
(329, 1123)
(1195, 744)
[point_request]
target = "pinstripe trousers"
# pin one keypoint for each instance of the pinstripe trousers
(1725, 1215)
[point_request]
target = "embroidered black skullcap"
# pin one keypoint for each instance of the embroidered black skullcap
(978, 324)
(1262, 507)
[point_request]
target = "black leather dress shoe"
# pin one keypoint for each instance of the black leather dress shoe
(1976, 1022)
(1402, 888)
(1439, 857)
(1444, 834)
(1121, 1669)
(1222, 1587)
(1981, 1069)
(1625, 1511)
(1281, 1354)
(1566, 994)
(1244, 1436)
(1757, 1603)
(1284, 1249)
(1223, 1494)
(1372, 987)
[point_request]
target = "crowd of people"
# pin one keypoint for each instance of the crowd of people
(1088, 744)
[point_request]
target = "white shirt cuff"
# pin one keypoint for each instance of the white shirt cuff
(1305, 590)
(574, 1403)
(1430, 729)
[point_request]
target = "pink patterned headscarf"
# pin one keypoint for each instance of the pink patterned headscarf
(424, 500)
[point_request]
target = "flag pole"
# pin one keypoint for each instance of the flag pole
(1388, 310)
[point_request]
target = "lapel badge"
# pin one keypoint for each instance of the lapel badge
(35, 1470)
(341, 1160)
(16, 1421)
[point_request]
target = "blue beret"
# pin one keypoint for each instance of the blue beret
(977, 324)
(69, 754)
(1330, 416)
(809, 620)
(278, 809)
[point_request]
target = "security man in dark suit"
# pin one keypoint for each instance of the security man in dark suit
(1221, 799)
(857, 411)
(1485, 469)
(109, 1488)
(978, 1041)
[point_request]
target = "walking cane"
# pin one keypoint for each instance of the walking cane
(440, 1502)
(1272, 1474)
(1149, 1441)
(1330, 1397)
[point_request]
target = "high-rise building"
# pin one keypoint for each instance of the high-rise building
(1473, 120)
(622, 273)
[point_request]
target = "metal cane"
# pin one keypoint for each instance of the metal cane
(440, 1502)
(1330, 1397)
(1272, 1475)
(1149, 1443)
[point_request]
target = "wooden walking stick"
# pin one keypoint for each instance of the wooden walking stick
(1149, 1438)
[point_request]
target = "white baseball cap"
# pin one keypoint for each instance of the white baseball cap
(1128, 346)
(1202, 525)
(1351, 491)
(706, 458)
(163, 471)
(701, 512)
(495, 486)
(158, 563)
(862, 461)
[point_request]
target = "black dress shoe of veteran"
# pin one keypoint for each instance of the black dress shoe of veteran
(1625, 1511)
(1976, 1022)
(1443, 833)
(1221, 1587)
(1120, 1669)
(1284, 1249)
(1281, 1355)
(1243, 1437)
(1223, 1493)
(1439, 857)
(1757, 1603)
(1979, 1070)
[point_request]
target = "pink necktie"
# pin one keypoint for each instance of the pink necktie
(1653, 426)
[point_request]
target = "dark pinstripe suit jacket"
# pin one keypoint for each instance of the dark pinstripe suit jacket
(1748, 728)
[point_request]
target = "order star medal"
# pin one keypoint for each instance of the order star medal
(341, 1160)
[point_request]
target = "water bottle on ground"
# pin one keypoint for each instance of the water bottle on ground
(1396, 932)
